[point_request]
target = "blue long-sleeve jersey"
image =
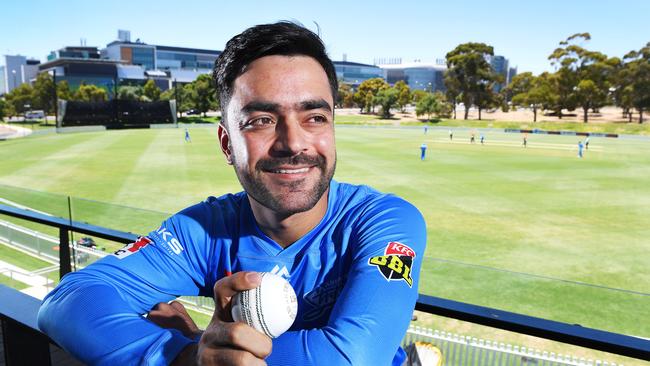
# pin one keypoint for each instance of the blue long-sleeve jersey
(355, 275)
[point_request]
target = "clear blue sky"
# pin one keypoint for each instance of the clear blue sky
(525, 31)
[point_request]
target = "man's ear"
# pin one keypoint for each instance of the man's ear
(224, 142)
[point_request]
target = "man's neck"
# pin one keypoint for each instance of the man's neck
(286, 230)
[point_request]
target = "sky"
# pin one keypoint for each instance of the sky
(524, 31)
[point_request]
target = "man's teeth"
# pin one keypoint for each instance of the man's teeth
(291, 171)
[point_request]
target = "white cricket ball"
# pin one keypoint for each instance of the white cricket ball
(270, 308)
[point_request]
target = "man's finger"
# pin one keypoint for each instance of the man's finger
(237, 335)
(186, 316)
(227, 287)
(168, 316)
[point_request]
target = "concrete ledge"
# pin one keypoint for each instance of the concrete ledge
(163, 125)
(80, 129)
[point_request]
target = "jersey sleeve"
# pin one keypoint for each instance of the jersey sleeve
(373, 311)
(96, 313)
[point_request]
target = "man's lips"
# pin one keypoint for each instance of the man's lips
(289, 170)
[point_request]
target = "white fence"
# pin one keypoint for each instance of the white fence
(463, 351)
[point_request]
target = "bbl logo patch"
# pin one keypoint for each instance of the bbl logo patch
(396, 263)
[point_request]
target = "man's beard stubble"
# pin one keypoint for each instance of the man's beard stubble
(256, 189)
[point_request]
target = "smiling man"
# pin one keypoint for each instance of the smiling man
(352, 254)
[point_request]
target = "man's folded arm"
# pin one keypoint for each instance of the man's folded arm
(97, 313)
(372, 313)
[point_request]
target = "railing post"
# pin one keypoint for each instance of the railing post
(64, 252)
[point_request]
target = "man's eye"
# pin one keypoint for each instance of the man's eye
(259, 122)
(317, 119)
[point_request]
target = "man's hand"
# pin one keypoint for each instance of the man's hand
(223, 342)
(174, 315)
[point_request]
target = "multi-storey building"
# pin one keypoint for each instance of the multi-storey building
(83, 65)
(165, 64)
(17, 70)
(417, 75)
(354, 73)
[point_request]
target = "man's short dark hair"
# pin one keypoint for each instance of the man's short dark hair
(282, 38)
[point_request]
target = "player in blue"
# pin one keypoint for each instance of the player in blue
(352, 254)
(580, 146)
(187, 135)
(423, 151)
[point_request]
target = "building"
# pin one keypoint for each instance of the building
(17, 70)
(354, 73)
(417, 75)
(500, 66)
(165, 64)
(83, 65)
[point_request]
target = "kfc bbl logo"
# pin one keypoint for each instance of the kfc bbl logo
(396, 263)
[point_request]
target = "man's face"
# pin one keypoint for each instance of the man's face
(280, 132)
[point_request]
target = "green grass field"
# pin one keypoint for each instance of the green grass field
(532, 230)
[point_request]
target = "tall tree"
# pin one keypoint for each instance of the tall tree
(90, 93)
(367, 91)
(386, 98)
(130, 92)
(151, 91)
(583, 75)
(3, 109)
(621, 89)
(203, 94)
(469, 75)
(21, 98)
(404, 94)
(527, 91)
(63, 90)
(344, 97)
(638, 64)
(44, 92)
(433, 104)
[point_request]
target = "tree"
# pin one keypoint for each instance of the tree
(151, 91)
(583, 76)
(638, 65)
(44, 93)
(130, 92)
(386, 98)
(90, 93)
(418, 94)
(203, 94)
(21, 98)
(63, 91)
(3, 109)
(345, 96)
(433, 103)
(366, 92)
(404, 94)
(469, 75)
(527, 91)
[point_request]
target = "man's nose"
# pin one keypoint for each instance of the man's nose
(290, 137)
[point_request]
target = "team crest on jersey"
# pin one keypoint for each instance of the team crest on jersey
(396, 263)
(142, 242)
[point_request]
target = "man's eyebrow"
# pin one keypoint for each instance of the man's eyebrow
(314, 104)
(261, 106)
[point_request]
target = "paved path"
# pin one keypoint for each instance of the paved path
(11, 132)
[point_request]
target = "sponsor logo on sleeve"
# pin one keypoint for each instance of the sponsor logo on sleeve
(396, 263)
(169, 241)
(142, 242)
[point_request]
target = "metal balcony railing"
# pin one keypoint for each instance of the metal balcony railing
(24, 344)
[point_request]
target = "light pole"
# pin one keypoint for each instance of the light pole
(14, 73)
(55, 99)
